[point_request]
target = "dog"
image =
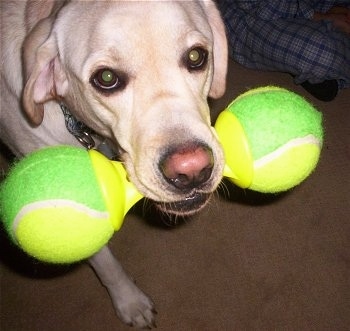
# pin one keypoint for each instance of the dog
(138, 74)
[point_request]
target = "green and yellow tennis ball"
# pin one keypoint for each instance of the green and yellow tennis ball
(63, 204)
(272, 139)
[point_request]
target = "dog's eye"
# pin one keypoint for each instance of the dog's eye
(107, 80)
(196, 58)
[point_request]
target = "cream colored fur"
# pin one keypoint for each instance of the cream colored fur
(50, 50)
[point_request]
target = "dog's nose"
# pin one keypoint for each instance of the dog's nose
(188, 167)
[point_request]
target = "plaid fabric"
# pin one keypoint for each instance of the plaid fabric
(279, 35)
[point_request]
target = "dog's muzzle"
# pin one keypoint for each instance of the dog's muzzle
(187, 168)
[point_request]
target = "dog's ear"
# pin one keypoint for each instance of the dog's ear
(220, 49)
(44, 77)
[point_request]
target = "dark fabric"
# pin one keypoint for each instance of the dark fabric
(247, 262)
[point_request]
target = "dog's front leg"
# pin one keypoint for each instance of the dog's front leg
(131, 304)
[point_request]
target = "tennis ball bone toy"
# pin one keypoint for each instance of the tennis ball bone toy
(272, 139)
(63, 204)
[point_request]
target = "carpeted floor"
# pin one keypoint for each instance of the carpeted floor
(247, 262)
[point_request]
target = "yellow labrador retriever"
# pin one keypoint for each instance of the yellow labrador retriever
(137, 73)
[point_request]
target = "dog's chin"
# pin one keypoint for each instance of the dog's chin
(186, 207)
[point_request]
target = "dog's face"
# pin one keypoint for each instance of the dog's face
(139, 73)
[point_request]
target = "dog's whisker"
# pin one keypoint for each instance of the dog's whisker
(213, 203)
(146, 206)
(224, 189)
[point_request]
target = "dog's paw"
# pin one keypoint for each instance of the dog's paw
(134, 308)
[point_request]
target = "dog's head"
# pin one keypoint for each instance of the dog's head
(138, 73)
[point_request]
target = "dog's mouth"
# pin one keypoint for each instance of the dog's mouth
(188, 206)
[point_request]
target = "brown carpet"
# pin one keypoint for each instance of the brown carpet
(247, 262)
